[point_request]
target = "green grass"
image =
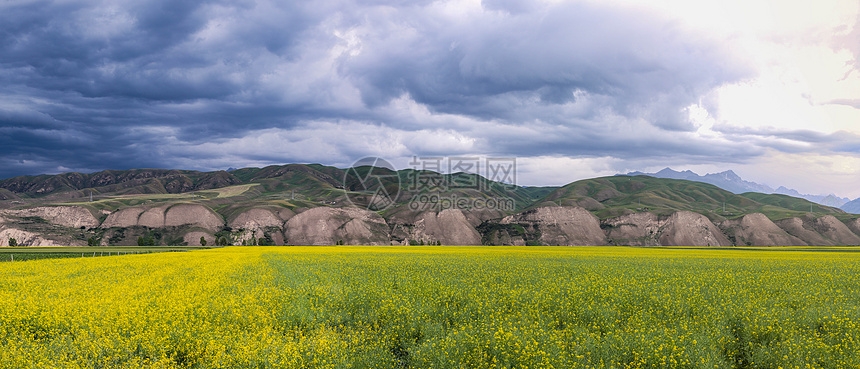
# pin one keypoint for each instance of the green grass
(79, 249)
(133, 200)
(230, 191)
(437, 307)
(39, 253)
(777, 206)
(29, 256)
(618, 195)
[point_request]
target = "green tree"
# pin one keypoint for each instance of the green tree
(145, 241)
(13, 242)
(267, 240)
(202, 241)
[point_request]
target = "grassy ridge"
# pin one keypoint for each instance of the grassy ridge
(292, 186)
(298, 186)
(788, 202)
(612, 196)
(435, 307)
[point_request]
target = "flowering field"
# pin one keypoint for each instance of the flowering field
(435, 307)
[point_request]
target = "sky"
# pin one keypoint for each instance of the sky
(571, 89)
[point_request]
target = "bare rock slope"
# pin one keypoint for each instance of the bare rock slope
(833, 229)
(449, 226)
(822, 231)
(803, 230)
(561, 225)
(122, 218)
(854, 226)
(67, 216)
(685, 228)
(23, 238)
(152, 218)
(193, 238)
(329, 226)
(757, 230)
(257, 223)
(256, 218)
(637, 229)
(193, 215)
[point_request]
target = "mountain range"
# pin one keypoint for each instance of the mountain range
(852, 206)
(732, 182)
(312, 204)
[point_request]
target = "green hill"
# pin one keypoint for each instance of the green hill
(291, 186)
(790, 203)
(608, 197)
(311, 185)
(258, 203)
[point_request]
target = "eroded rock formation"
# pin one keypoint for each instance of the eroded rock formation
(330, 226)
(560, 225)
(757, 230)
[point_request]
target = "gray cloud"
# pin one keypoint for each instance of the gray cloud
(86, 85)
(854, 103)
(793, 141)
(643, 64)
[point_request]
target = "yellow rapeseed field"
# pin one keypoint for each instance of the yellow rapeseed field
(435, 307)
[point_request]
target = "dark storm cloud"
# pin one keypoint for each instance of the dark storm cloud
(89, 85)
(635, 143)
(643, 64)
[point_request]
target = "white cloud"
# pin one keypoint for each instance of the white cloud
(561, 170)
